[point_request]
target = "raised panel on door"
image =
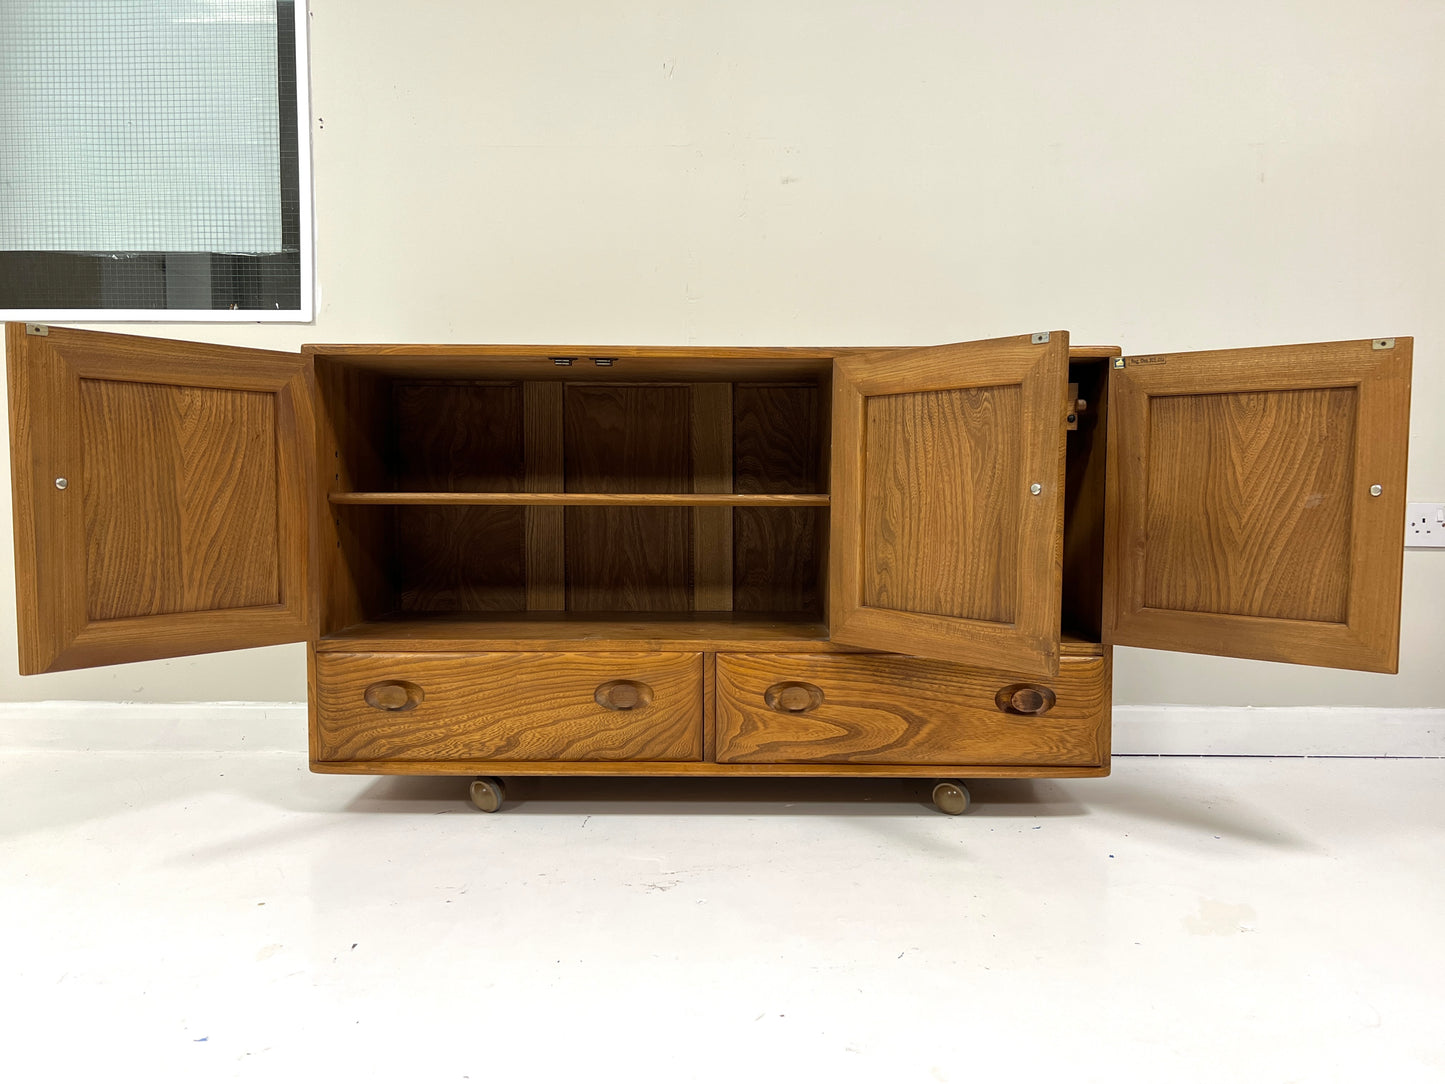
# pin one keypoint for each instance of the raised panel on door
(1257, 502)
(947, 501)
(160, 496)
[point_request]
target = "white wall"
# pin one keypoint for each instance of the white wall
(1166, 176)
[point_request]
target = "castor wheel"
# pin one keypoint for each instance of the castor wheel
(951, 797)
(488, 793)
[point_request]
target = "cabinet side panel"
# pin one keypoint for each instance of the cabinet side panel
(355, 558)
(39, 425)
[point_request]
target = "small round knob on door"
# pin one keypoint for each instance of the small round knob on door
(394, 695)
(623, 695)
(1025, 699)
(793, 696)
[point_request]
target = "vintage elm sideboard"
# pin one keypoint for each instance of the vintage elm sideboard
(515, 560)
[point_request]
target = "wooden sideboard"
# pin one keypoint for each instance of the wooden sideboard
(513, 560)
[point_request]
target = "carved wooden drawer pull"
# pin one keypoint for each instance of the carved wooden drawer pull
(1025, 699)
(394, 695)
(623, 695)
(793, 696)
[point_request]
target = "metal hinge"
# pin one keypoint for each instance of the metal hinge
(1118, 363)
(1383, 344)
(1039, 337)
(37, 329)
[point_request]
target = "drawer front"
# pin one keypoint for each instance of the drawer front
(509, 706)
(890, 709)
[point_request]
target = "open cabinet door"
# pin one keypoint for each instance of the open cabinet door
(1257, 502)
(162, 497)
(947, 501)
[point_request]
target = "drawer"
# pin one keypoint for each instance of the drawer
(553, 705)
(891, 709)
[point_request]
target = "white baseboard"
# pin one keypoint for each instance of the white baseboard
(1181, 730)
(1139, 730)
(106, 726)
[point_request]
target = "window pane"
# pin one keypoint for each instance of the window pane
(148, 154)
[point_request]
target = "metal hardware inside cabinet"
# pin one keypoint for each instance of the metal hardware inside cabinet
(1118, 363)
(1376, 490)
(1039, 337)
(1076, 406)
(603, 362)
(1384, 344)
(37, 329)
(62, 483)
(562, 361)
(1036, 489)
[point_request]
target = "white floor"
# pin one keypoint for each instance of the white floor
(198, 917)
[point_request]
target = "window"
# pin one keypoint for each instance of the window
(154, 161)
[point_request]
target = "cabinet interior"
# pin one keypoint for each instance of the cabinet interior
(406, 441)
(1081, 612)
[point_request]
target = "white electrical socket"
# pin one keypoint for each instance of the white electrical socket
(1424, 526)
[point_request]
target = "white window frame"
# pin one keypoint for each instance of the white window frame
(306, 313)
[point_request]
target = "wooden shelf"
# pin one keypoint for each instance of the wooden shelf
(691, 630)
(630, 500)
(540, 630)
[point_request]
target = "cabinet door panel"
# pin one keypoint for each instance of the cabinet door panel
(182, 523)
(1242, 520)
(940, 546)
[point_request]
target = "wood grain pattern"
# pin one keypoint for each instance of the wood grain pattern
(777, 559)
(622, 438)
(676, 631)
(873, 462)
(180, 501)
(777, 445)
(459, 436)
(672, 630)
(712, 473)
(546, 545)
(209, 397)
(1250, 502)
(777, 438)
(354, 579)
(469, 558)
(592, 500)
(510, 707)
(942, 497)
(703, 769)
(1240, 521)
(892, 710)
(709, 705)
(824, 534)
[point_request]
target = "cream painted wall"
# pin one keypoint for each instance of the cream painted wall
(1166, 176)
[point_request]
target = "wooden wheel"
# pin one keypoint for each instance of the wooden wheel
(951, 797)
(488, 793)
